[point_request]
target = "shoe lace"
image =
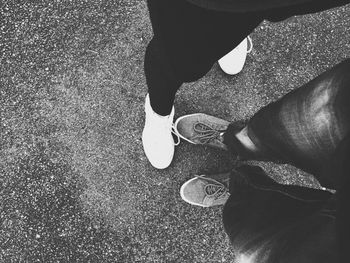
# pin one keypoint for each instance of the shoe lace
(214, 190)
(173, 131)
(206, 133)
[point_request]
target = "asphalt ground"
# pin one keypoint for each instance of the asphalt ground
(75, 185)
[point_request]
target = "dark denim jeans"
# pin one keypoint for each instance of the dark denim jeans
(309, 128)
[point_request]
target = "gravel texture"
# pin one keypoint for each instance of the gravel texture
(75, 185)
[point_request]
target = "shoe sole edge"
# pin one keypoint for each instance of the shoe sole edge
(149, 159)
(183, 195)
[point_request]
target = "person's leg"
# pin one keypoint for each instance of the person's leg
(266, 221)
(187, 41)
(269, 222)
(280, 223)
(309, 128)
(305, 126)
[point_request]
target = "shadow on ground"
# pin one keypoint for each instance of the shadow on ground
(75, 184)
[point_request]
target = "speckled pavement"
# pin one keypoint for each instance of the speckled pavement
(75, 185)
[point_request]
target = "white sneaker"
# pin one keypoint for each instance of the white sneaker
(233, 62)
(157, 140)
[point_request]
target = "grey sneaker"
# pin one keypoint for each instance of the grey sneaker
(200, 128)
(206, 191)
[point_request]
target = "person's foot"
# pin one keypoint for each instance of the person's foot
(157, 139)
(233, 62)
(206, 191)
(200, 128)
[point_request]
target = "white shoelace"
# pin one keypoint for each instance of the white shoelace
(173, 131)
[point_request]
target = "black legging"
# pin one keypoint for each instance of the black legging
(188, 40)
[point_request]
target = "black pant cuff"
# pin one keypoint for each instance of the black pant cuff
(233, 144)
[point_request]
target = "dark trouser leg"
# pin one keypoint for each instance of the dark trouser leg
(309, 128)
(279, 223)
(305, 126)
(267, 222)
(187, 41)
(161, 81)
